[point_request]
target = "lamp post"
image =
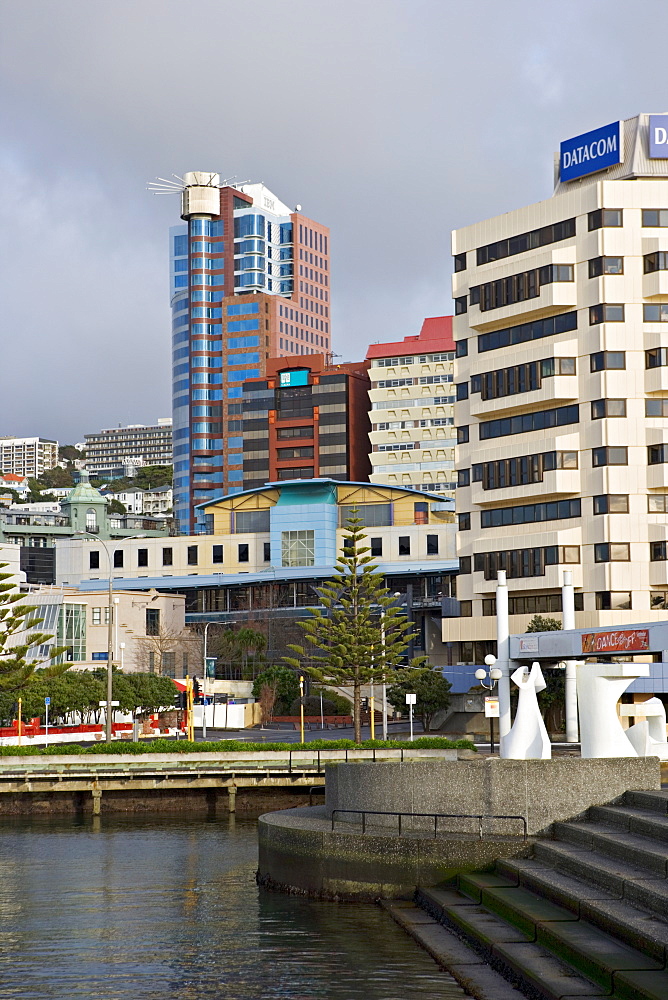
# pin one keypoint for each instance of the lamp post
(110, 632)
(382, 639)
(489, 678)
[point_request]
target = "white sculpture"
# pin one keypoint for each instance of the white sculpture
(528, 739)
(600, 686)
(648, 738)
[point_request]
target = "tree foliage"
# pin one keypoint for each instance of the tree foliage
(540, 623)
(552, 699)
(285, 682)
(432, 692)
(19, 643)
(357, 633)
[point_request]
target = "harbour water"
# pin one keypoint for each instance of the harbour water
(151, 909)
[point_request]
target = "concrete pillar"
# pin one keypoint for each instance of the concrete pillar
(502, 650)
(571, 694)
(232, 798)
(96, 792)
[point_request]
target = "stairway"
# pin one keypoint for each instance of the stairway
(585, 916)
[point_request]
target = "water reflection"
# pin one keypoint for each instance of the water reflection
(145, 910)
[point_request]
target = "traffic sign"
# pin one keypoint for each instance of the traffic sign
(114, 704)
(411, 699)
(47, 701)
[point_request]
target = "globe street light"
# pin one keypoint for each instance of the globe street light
(489, 679)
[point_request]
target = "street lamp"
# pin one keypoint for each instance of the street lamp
(396, 595)
(489, 678)
(110, 629)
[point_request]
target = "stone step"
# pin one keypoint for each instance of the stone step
(630, 847)
(641, 821)
(636, 885)
(469, 969)
(652, 801)
(645, 931)
(529, 966)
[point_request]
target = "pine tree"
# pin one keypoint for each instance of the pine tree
(16, 671)
(360, 632)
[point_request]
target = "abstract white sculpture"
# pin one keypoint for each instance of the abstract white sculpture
(528, 739)
(648, 738)
(600, 686)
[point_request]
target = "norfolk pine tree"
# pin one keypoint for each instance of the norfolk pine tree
(357, 633)
(16, 672)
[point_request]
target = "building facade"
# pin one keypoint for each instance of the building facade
(307, 419)
(249, 280)
(562, 394)
(134, 446)
(412, 409)
(269, 548)
(28, 456)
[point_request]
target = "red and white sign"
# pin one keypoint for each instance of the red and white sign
(621, 641)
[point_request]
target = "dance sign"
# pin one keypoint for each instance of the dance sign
(621, 641)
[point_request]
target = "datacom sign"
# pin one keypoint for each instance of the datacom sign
(658, 137)
(297, 376)
(585, 154)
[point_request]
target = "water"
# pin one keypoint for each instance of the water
(155, 909)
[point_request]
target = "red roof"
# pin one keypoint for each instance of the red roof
(11, 476)
(435, 335)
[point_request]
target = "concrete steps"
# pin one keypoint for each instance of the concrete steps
(586, 916)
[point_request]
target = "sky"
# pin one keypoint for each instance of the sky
(391, 121)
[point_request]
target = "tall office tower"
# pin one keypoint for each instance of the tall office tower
(306, 419)
(249, 280)
(561, 313)
(412, 409)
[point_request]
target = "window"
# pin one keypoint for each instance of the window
(192, 555)
(167, 556)
(284, 433)
(462, 435)
(655, 217)
(606, 312)
(603, 217)
(298, 548)
(608, 408)
(460, 262)
(611, 503)
(246, 521)
(97, 616)
(266, 546)
(605, 265)
(466, 609)
(613, 600)
(290, 454)
(464, 565)
(518, 287)
(100, 656)
(432, 545)
(460, 305)
(525, 241)
(658, 551)
(169, 664)
(602, 360)
(520, 563)
(142, 557)
(118, 559)
(152, 621)
(243, 552)
(657, 261)
(522, 471)
(217, 554)
(656, 358)
(525, 332)
(295, 472)
(94, 560)
(372, 515)
(376, 545)
(655, 314)
(609, 456)
(404, 545)
(657, 503)
(555, 510)
(658, 600)
(464, 522)
(612, 552)
(657, 454)
(463, 477)
(520, 378)
(523, 423)
(461, 348)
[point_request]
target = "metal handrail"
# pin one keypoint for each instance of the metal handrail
(435, 816)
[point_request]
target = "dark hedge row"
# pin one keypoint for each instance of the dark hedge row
(231, 746)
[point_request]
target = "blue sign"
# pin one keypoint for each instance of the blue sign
(585, 154)
(297, 376)
(658, 137)
(47, 701)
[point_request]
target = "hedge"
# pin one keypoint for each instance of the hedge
(230, 746)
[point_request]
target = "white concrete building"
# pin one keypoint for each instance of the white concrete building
(134, 446)
(561, 326)
(27, 456)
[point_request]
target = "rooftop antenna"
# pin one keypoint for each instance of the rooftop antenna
(163, 185)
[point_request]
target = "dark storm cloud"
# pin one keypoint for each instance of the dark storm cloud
(393, 121)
